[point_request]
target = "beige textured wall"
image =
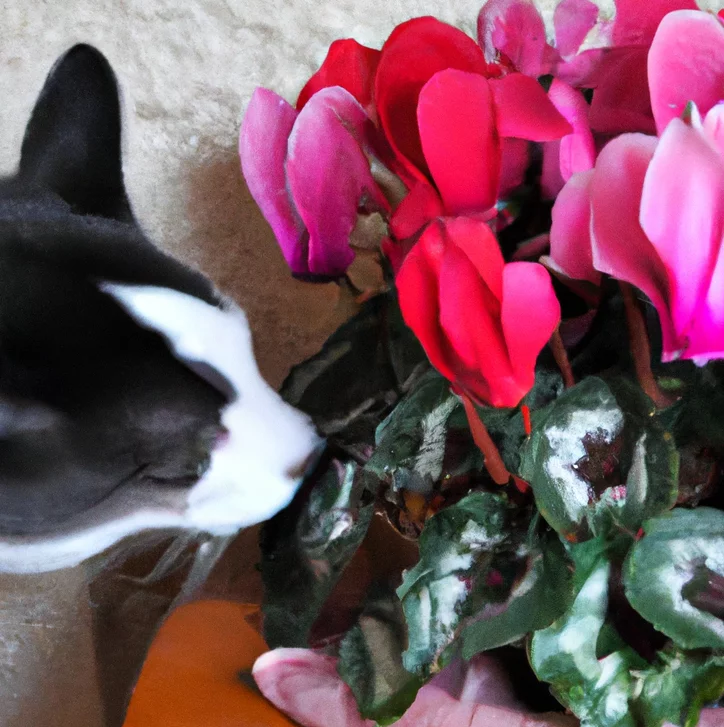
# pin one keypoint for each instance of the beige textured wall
(187, 69)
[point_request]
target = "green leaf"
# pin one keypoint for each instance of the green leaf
(370, 661)
(426, 438)
(677, 686)
(672, 576)
(652, 480)
(566, 654)
(305, 552)
(459, 548)
(580, 428)
(348, 387)
(599, 461)
(696, 417)
(567, 648)
(405, 352)
(536, 600)
(412, 440)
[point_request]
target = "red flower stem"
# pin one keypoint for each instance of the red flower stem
(493, 461)
(525, 410)
(640, 348)
(561, 357)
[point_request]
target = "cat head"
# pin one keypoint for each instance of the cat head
(130, 399)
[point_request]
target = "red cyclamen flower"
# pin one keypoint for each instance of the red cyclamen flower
(481, 322)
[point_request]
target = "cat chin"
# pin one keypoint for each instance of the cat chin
(137, 511)
(254, 470)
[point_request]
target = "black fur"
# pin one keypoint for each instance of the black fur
(88, 399)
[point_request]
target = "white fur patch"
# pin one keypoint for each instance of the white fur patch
(252, 475)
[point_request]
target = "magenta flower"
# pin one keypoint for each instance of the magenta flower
(514, 29)
(615, 68)
(651, 213)
(686, 63)
(309, 169)
(575, 152)
(658, 223)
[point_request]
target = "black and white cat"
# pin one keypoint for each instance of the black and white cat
(129, 394)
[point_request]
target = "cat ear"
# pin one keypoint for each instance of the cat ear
(72, 143)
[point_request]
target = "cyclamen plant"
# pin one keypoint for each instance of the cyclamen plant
(523, 489)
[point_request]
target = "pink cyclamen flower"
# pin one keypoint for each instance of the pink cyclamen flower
(514, 30)
(615, 67)
(686, 63)
(305, 685)
(309, 168)
(651, 213)
(657, 222)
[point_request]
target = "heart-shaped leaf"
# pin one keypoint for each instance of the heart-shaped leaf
(468, 557)
(674, 576)
(304, 552)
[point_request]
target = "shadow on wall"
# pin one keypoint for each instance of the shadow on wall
(237, 249)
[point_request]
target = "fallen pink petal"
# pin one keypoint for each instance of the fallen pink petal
(306, 686)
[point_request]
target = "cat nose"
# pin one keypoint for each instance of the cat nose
(304, 468)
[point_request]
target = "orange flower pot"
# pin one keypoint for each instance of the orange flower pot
(191, 677)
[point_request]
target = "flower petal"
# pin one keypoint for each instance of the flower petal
(413, 53)
(714, 126)
(479, 243)
(572, 21)
(577, 150)
(396, 252)
(459, 139)
(263, 140)
(481, 680)
(524, 110)
(682, 213)
(578, 70)
(305, 685)
(706, 335)
(621, 99)
(433, 707)
(529, 316)
(418, 286)
(421, 205)
(470, 318)
(474, 694)
(514, 161)
(636, 21)
(350, 65)
(515, 28)
(551, 180)
(571, 230)
(686, 63)
(329, 175)
(620, 247)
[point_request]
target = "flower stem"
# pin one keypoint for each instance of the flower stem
(493, 461)
(640, 347)
(525, 411)
(561, 356)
